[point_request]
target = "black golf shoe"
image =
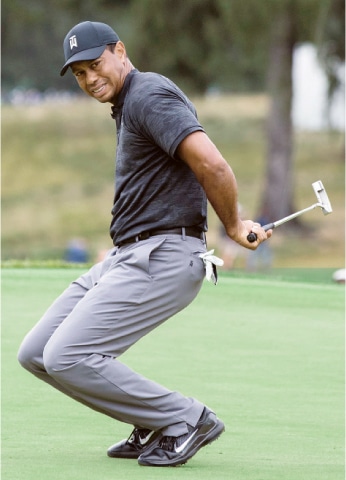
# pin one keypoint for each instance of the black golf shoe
(139, 440)
(173, 451)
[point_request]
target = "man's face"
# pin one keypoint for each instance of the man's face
(103, 77)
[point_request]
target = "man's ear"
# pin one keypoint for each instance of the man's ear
(120, 49)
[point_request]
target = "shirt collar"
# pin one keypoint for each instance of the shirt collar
(123, 92)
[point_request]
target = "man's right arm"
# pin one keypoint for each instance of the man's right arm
(219, 182)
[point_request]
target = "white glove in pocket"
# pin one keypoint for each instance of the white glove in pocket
(210, 263)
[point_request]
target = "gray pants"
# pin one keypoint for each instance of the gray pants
(76, 345)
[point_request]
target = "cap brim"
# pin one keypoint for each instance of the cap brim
(90, 54)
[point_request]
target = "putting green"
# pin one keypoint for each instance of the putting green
(266, 352)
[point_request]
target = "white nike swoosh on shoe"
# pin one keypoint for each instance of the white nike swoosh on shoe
(146, 439)
(187, 441)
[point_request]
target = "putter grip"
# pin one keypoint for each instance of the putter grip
(252, 237)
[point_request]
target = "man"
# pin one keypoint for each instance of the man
(166, 168)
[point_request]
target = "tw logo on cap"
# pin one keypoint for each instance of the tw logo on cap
(73, 42)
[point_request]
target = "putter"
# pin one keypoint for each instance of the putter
(323, 203)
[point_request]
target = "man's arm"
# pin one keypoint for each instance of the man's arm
(220, 185)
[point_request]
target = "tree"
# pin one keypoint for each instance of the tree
(331, 40)
(199, 44)
(207, 41)
(278, 192)
(32, 34)
(289, 26)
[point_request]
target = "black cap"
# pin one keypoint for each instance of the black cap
(87, 41)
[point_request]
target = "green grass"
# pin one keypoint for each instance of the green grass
(266, 352)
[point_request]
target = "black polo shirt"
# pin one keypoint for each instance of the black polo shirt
(153, 188)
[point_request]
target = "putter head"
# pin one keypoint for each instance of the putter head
(322, 197)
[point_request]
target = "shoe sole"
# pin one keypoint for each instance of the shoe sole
(130, 456)
(213, 435)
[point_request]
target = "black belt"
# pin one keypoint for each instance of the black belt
(188, 231)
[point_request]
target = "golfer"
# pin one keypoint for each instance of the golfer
(166, 168)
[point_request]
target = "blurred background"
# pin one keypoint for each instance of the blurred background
(267, 79)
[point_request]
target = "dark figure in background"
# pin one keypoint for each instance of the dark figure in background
(76, 251)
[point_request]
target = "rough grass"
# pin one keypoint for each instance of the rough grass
(57, 177)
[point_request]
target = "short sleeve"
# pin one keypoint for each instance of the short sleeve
(163, 114)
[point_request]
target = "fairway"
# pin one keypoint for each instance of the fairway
(265, 352)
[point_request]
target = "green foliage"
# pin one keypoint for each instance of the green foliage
(195, 43)
(201, 44)
(331, 40)
(33, 34)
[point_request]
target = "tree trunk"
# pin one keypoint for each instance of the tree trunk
(277, 198)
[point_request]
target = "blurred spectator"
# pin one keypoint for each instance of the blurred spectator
(229, 249)
(260, 259)
(76, 251)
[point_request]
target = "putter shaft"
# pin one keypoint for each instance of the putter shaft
(290, 217)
